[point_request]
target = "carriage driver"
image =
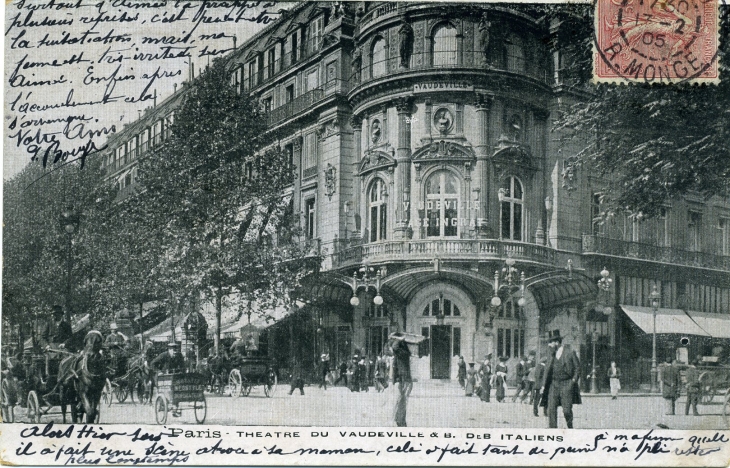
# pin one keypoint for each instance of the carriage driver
(169, 362)
(56, 335)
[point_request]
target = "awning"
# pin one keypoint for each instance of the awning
(717, 325)
(667, 321)
(256, 320)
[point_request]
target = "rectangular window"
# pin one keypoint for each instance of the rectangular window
(289, 150)
(447, 307)
(508, 343)
(456, 341)
(315, 33)
(260, 69)
(662, 224)
(252, 73)
(144, 141)
(516, 347)
(169, 120)
(724, 244)
(451, 217)
(289, 93)
(267, 104)
(500, 342)
(272, 62)
(694, 223)
(435, 307)
(310, 150)
(596, 221)
(522, 342)
(294, 47)
(310, 212)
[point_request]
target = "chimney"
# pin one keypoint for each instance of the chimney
(154, 102)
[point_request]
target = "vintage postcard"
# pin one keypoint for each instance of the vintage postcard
(366, 233)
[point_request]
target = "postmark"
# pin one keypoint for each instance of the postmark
(656, 41)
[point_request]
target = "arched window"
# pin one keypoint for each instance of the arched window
(442, 204)
(515, 55)
(378, 211)
(511, 199)
(445, 46)
(377, 58)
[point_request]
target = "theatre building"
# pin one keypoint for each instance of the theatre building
(430, 182)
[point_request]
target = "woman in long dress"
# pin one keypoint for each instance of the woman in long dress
(614, 376)
(471, 379)
(486, 380)
(462, 372)
(500, 378)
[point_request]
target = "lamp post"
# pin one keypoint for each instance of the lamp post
(604, 285)
(69, 221)
(655, 298)
(368, 278)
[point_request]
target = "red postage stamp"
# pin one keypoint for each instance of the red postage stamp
(656, 41)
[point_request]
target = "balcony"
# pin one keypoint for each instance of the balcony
(306, 101)
(448, 250)
(452, 59)
(599, 245)
(271, 70)
(376, 13)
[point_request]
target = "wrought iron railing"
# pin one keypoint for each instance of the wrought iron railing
(641, 251)
(307, 100)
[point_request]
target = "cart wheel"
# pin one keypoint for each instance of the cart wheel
(235, 383)
(270, 385)
(201, 409)
(707, 387)
(106, 393)
(161, 409)
(726, 409)
(121, 392)
(34, 409)
(7, 406)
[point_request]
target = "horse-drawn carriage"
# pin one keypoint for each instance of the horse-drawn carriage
(176, 392)
(250, 371)
(714, 378)
(128, 373)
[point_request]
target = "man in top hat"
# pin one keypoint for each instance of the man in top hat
(58, 332)
(401, 376)
(561, 382)
(520, 374)
(170, 361)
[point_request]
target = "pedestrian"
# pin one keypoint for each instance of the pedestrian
(537, 392)
(471, 380)
(362, 368)
(485, 386)
(561, 382)
(381, 373)
(353, 373)
(520, 372)
(671, 382)
(499, 379)
(614, 379)
(325, 363)
(297, 378)
(401, 376)
(343, 373)
(461, 374)
(527, 394)
(693, 388)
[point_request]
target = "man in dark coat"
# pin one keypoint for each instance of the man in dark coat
(672, 382)
(520, 372)
(537, 392)
(169, 362)
(57, 333)
(693, 388)
(297, 378)
(401, 376)
(561, 382)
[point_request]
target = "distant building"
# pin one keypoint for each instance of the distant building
(421, 137)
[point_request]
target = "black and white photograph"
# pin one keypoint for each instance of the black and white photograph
(363, 232)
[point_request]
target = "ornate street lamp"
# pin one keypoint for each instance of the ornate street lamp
(69, 222)
(655, 299)
(368, 278)
(604, 285)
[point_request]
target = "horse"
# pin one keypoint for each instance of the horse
(140, 377)
(81, 378)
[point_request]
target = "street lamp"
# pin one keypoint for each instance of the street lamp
(655, 299)
(69, 222)
(368, 278)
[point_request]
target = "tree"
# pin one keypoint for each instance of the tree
(37, 250)
(212, 203)
(654, 143)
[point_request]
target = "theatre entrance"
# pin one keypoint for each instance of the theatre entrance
(440, 351)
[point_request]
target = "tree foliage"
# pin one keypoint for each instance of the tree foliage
(654, 143)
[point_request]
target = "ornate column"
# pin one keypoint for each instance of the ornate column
(356, 123)
(402, 177)
(482, 105)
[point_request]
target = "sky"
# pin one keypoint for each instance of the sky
(109, 56)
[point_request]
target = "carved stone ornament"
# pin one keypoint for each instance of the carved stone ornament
(330, 176)
(442, 151)
(376, 160)
(405, 34)
(376, 131)
(443, 121)
(484, 26)
(509, 153)
(328, 129)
